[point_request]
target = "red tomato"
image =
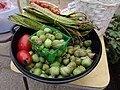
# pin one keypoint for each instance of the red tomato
(46, 6)
(57, 12)
(24, 57)
(42, 4)
(36, 2)
(24, 43)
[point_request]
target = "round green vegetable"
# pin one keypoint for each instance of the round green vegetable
(86, 62)
(71, 51)
(87, 43)
(65, 71)
(77, 61)
(58, 36)
(47, 30)
(35, 58)
(38, 65)
(44, 75)
(33, 38)
(40, 32)
(54, 71)
(45, 67)
(66, 61)
(43, 37)
(91, 55)
(80, 52)
(82, 69)
(31, 52)
(30, 66)
(72, 58)
(42, 60)
(37, 71)
(72, 65)
(38, 41)
(55, 64)
(76, 71)
(47, 43)
(60, 76)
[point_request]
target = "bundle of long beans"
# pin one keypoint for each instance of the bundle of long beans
(36, 17)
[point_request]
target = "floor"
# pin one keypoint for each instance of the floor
(10, 80)
(114, 77)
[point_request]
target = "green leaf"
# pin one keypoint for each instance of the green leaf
(110, 25)
(113, 43)
(117, 17)
(113, 34)
(112, 55)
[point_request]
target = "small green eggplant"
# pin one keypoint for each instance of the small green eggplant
(54, 71)
(33, 38)
(72, 65)
(55, 64)
(58, 36)
(66, 61)
(60, 76)
(71, 51)
(76, 71)
(65, 71)
(77, 61)
(47, 43)
(44, 75)
(43, 37)
(38, 41)
(37, 71)
(86, 62)
(45, 67)
(30, 66)
(87, 43)
(47, 30)
(40, 32)
(35, 58)
(38, 65)
(72, 58)
(91, 55)
(42, 60)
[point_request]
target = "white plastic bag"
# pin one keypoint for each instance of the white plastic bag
(99, 12)
(5, 5)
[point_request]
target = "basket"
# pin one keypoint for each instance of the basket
(53, 55)
(99, 12)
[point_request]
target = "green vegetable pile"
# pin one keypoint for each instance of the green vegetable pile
(112, 40)
(47, 39)
(77, 56)
(75, 60)
(49, 42)
(35, 17)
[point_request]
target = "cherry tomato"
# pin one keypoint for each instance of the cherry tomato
(24, 57)
(57, 12)
(42, 4)
(46, 6)
(24, 43)
(36, 2)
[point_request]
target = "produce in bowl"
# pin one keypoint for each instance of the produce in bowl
(49, 42)
(76, 59)
(73, 64)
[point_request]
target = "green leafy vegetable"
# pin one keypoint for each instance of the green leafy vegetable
(112, 40)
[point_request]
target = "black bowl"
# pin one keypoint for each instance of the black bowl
(96, 46)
